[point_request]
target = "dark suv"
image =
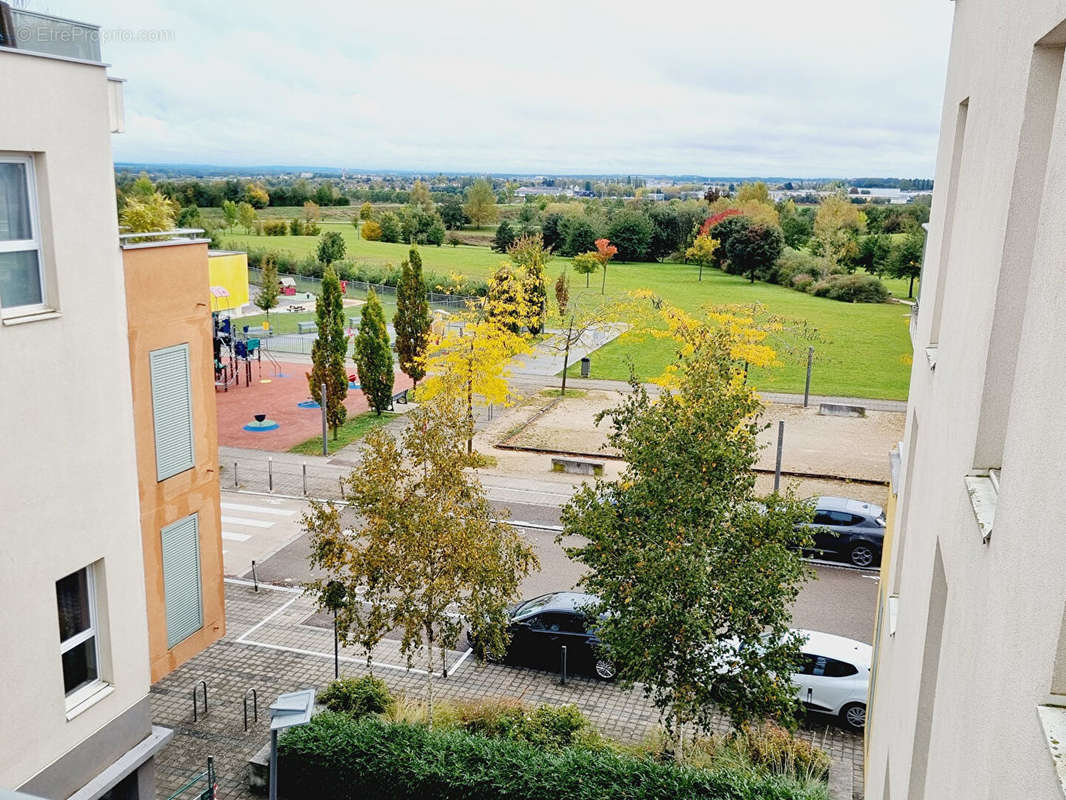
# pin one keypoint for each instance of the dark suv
(540, 627)
(848, 529)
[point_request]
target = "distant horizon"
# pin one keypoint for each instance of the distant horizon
(291, 168)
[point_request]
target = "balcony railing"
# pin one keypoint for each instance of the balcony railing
(42, 33)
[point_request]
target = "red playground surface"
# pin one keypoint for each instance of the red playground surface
(279, 400)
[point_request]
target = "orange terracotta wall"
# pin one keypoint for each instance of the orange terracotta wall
(166, 304)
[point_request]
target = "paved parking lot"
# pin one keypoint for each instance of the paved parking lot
(274, 643)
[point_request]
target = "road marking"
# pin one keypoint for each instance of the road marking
(235, 537)
(284, 512)
(252, 523)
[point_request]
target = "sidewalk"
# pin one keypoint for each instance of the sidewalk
(276, 643)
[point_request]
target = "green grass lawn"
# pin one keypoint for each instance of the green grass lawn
(351, 431)
(864, 349)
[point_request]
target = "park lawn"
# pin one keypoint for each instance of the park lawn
(351, 431)
(863, 350)
(470, 260)
(285, 321)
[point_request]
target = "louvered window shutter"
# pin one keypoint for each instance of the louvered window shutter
(181, 579)
(172, 411)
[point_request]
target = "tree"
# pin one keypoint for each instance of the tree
(471, 363)
(631, 232)
(452, 214)
(412, 320)
(312, 212)
(144, 214)
(391, 228)
(723, 230)
(797, 228)
(580, 236)
(837, 224)
(143, 187)
(754, 250)
(328, 351)
(604, 252)
(585, 264)
(562, 292)
(246, 215)
(420, 198)
(267, 296)
(505, 302)
(256, 195)
(373, 355)
(480, 203)
(229, 213)
(905, 260)
(874, 253)
(427, 553)
(330, 248)
(702, 252)
(371, 231)
(583, 319)
(436, 233)
(366, 212)
(553, 231)
(695, 575)
(504, 238)
(189, 217)
(753, 191)
(529, 255)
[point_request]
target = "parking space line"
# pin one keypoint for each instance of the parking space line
(267, 619)
(235, 537)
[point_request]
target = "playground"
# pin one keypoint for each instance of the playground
(284, 400)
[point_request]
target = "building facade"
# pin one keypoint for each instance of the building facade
(172, 379)
(968, 694)
(75, 664)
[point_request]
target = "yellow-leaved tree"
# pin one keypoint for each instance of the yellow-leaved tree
(837, 226)
(471, 362)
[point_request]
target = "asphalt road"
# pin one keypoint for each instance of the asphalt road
(839, 600)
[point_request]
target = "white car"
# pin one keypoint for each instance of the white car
(835, 676)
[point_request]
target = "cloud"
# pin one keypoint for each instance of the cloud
(829, 88)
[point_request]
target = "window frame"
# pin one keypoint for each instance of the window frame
(27, 245)
(80, 694)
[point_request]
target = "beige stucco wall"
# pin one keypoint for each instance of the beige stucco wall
(68, 482)
(1004, 600)
(168, 304)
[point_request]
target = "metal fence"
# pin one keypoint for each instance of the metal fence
(284, 477)
(359, 290)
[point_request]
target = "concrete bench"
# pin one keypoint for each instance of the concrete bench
(577, 466)
(840, 410)
(306, 327)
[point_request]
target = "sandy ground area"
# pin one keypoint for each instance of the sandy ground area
(840, 450)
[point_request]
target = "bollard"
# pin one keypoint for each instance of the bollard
(304, 465)
(255, 580)
(270, 474)
(780, 447)
(341, 482)
(562, 665)
(235, 484)
(255, 708)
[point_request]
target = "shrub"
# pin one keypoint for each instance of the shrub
(454, 240)
(357, 697)
(371, 231)
(772, 747)
(312, 229)
(276, 227)
(296, 226)
(856, 288)
(802, 282)
(799, 262)
(338, 758)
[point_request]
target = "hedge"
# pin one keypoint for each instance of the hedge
(338, 758)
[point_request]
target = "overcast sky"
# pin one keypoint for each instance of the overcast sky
(749, 87)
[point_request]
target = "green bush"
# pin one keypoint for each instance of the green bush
(548, 727)
(794, 263)
(338, 758)
(275, 227)
(856, 288)
(357, 697)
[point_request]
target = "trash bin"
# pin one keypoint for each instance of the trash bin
(586, 364)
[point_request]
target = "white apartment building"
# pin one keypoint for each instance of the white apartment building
(74, 666)
(968, 697)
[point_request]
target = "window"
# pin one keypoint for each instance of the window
(172, 411)
(76, 599)
(821, 666)
(181, 579)
(836, 518)
(21, 275)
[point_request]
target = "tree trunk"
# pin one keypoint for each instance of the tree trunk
(603, 286)
(910, 291)
(429, 676)
(679, 747)
(588, 277)
(566, 359)
(701, 271)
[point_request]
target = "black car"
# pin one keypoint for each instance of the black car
(848, 529)
(539, 628)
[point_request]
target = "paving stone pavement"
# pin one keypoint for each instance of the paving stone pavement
(269, 646)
